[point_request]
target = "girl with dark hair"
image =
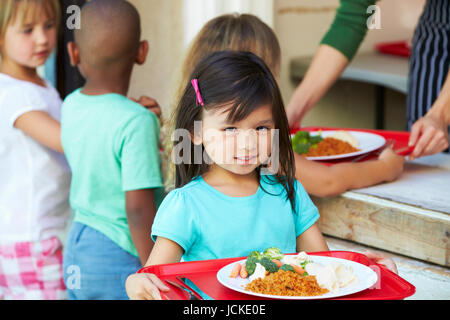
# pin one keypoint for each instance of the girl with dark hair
(246, 32)
(235, 174)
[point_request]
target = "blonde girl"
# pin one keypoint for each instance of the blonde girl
(34, 175)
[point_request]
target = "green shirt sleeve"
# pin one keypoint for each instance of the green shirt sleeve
(139, 153)
(349, 27)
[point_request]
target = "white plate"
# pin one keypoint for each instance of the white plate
(366, 278)
(367, 142)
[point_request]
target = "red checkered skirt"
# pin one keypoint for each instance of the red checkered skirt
(32, 270)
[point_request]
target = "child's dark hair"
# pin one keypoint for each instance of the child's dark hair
(244, 81)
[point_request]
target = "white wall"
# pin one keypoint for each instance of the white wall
(198, 12)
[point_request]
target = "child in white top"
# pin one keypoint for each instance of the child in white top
(34, 175)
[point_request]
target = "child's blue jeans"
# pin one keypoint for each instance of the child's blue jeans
(95, 268)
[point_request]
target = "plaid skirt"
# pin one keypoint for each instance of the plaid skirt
(32, 270)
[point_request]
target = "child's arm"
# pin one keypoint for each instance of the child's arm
(146, 286)
(141, 210)
(40, 126)
(311, 240)
(324, 181)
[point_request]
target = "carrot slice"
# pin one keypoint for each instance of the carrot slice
(277, 262)
(236, 270)
(243, 273)
(298, 269)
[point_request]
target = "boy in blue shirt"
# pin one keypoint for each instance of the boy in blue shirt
(111, 144)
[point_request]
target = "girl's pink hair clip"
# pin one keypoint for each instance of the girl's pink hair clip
(197, 92)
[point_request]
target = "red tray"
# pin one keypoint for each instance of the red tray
(390, 286)
(398, 48)
(401, 139)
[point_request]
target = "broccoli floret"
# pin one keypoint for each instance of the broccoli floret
(314, 140)
(255, 254)
(301, 135)
(269, 265)
(287, 267)
(250, 265)
(302, 141)
(273, 253)
(303, 264)
(301, 148)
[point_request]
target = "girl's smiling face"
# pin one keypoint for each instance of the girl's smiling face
(29, 42)
(238, 147)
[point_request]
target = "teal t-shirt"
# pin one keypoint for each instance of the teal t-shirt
(208, 224)
(112, 146)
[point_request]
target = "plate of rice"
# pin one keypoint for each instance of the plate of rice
(337, 144)
(296, 276)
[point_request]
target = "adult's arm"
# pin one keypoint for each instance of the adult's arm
(336, 49)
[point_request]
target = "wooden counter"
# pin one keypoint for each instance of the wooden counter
(414, 223)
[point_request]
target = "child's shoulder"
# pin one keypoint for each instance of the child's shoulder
(17, 92)
(191, 189)
(116, 105)
(16, 85)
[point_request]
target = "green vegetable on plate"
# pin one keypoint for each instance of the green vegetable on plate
(269, 265)
(250, 264)
(287, 267)
(302, 141)
(273, 253)
(256, 254)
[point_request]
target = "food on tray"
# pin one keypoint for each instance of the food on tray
(337, 143)
(331, 147)
(271, 272)
(286, 283)
(345, 136)
(259, 273)
(331, 277)
(303, 141)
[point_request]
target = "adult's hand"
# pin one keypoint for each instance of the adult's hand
(429, 135)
